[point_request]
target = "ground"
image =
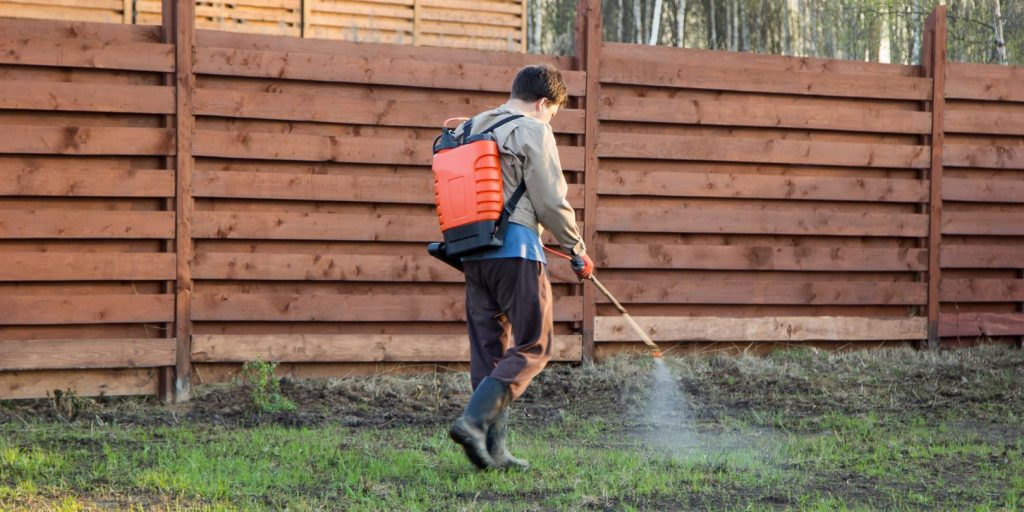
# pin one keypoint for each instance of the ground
(800, 429)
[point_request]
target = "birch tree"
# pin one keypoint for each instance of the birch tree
(1000, 41)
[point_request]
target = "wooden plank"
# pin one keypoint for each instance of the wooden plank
(986, 89)
(739, 257)
(588, 56)
(733, 112)
(329, 148)
(319, 187)
(750, 61)
(982, 223)
(746, 221)
(337, 267)
(40, 384)
(354, 69)
(762, 151)
(981, 324)
(315, 226)
(979, 121)
(331, 108)
(97, 266)
(388, 52)
(77, 31)
(87, 54)
(983, 190)
(85, 353)
(323, 348)
(993, 156)
(34, 181)
(717, 291)
(982, 256)
(85, 309)
(271, 307)
(616, 70)
(85, 140)
(982, 290)
(86, 97)
(86, 224)
(752, 186)
(780, 328)
(958, 70)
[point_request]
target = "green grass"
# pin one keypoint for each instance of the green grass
(772, 454)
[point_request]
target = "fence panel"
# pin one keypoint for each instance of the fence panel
(84, 223)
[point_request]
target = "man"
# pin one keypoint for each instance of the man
(508, 295)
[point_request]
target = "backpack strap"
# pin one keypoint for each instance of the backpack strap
(467, 131)
(510, 207)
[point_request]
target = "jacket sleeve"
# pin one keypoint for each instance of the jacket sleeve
(546, 187)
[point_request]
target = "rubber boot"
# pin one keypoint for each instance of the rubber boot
(470, 430)
(496, 436)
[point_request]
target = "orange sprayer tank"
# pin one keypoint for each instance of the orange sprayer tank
(468, 189)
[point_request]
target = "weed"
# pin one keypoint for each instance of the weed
(266, 387)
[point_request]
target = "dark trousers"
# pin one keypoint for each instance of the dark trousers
(511, 320)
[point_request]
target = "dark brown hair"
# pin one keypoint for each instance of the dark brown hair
(541, 81)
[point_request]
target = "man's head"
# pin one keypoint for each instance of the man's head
(539, 91)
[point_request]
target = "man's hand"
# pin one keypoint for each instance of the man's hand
(583, 266)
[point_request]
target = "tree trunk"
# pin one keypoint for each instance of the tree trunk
(638, 28)
(655, 23)
(681, 24)
(538, 20)
(713, 42)
(622, 21)
(1000, 41)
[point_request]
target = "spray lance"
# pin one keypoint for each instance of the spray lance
(655, 351)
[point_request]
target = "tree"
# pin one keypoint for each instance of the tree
(1000, 41)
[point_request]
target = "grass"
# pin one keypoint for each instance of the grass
(768, 433)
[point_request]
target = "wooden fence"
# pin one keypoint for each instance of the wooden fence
(178, 201)
(482, 25)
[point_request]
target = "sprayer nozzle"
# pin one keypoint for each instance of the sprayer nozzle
(656, 354)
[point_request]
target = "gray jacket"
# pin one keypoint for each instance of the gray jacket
(528, 151)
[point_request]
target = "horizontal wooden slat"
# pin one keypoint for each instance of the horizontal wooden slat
(982, 256)
(85, 309)
(329, 148)
(753, 61)
(315, 226)
(338, 267)
(983, 190)
(982, 223)
(86, 140)
(319, 187)
(737, 220)
(314, 348)
(958, 70)
(762, 151)
(389, 52)
(650, 72)
(40, 51)
(733, 112)
(981, 290)
(86, 97)
(85, 353)
(354, 69)
(993, 156)
(752, 186)
(981, 324)
(97, 266)
(738, 257)
(328, 108)
(106, 382)
(33, 181)
(977, 121)
(613, 328)
(347, 308)
(982, 88)
(767, 292)
(86, 224)
(76, 31)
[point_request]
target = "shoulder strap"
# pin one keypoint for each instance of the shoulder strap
(467, 131)
(510, 206)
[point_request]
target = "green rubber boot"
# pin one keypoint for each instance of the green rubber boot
(496, 436)
(470, 429)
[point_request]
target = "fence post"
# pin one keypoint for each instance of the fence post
(588, 50)
(934, 66)
(179, 22)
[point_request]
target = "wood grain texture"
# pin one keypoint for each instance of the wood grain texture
(79, 353)
(615, 329)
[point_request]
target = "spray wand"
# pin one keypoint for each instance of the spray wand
(655, 351)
